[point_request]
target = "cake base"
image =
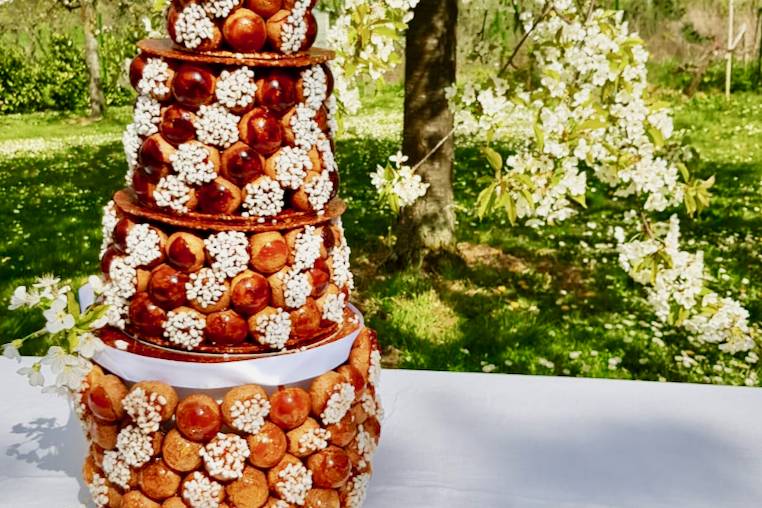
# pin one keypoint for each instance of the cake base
(152, 446)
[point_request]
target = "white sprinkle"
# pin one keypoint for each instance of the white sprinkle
(154, 80)
(236, 89)
(216, 126)
(144, 409)
(263, 198)
(294, 30)
(225, 456)
(193, 26)
(340, 402)
(333, 308)
(116, 469)
(274, 329)
(249, 415)
(221, 8)
(143, 245)
(185, 329)
(205, 287)
(135, 446)
(295, 482)
(192, 162)
(307, 249)
(296, 288)
(201, 492)
(132, 143)
(358, 487)
(98, 490)
(147, 115)
(291, 167)
(315, 86)
(229, 252)
(313, 441)
(123, 278)
(172, 192)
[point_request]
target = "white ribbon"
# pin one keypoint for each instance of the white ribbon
(269, 371)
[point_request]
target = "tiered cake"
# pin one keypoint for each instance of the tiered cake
(236, 374)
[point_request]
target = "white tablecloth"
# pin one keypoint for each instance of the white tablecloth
(472, 440)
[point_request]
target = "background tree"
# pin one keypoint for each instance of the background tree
(428, 227)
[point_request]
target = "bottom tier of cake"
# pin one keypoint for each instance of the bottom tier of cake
(153, 445)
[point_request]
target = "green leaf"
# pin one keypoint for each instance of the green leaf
(581, 200)
(656, 136)
(73, 306)
(510, 209)
(495, 159)
(486, 200)
(539, 137)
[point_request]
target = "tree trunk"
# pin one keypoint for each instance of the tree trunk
(92, 59)
(428, 227)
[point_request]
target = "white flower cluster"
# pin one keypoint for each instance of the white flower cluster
(398, 184)
(193, 26)
(675, 285)
(216, 126)
(229, 253)
(236, 89)
(294, 30)
(263, 198)
(192, 163)
(185, 329)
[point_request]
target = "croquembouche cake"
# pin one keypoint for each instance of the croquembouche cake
(236, 374)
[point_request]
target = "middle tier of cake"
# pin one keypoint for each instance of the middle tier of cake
(201, 286)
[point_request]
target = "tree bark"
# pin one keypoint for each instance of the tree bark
(428, 227)
(92, 59)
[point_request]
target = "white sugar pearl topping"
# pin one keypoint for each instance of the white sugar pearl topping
(173, 193)
(123, 278)
(135, 446)
(236, 89)
(108, 223)
(225, 456)
(144, 409)
(216, 126)
(143, 245)
(339, 403)
(294, 30)
(221, 8)
(249, 415)
(358, 487)
(374, 374)
(263, 198)
(274, 330)
(314, 440)
(205, 287)
(154, 79)
(202, 492)
(131, 141)
(147, 115)
(116, 469)
(315, 86)
(185, 329)
(98, 490)
(306, 130)
(296, 288)
(319, 191)
(193, 26)
(229, 252)
(295, 481)
(333, 308)
(291, 167)
(307, 248)
(192, 162)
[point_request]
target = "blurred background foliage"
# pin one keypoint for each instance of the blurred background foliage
(43, 68)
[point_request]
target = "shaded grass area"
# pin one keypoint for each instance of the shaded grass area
(522, 301)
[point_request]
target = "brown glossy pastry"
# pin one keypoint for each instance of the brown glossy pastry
(198, 418)
(305, 321)
(267, 447)
(322, 498)
(104, 398)
(249, 491)
(186, 252)
(261, 130)
(301, 198)
(359, 414)
(174, 502)
(144, 278)
(330, 468)
(320, 278)
(155, 157)
(307, 439)
(180, 453)
(278, 287)
(121, 232)
(289, 407)
(147, 317)
(178, 125)
(245, 408)
(167, 287)
(359, 357)
(219, 197)
(277, 89)
(354, 378)
(268, 251)
(245, 31)
(158, 481)
(226, 328)
(194, 85)
(265, 8)
(250, 293)
(136, 499)
(277, 503)
(102, 434)
(144, 188)
(241, 164)
(344, 432)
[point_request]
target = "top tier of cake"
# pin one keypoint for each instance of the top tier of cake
(217, 135)
(243, 26)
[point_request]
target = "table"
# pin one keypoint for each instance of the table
(480, 440)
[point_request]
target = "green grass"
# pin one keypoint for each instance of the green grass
(522, 301)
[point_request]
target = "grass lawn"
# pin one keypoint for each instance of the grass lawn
(522, 301)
